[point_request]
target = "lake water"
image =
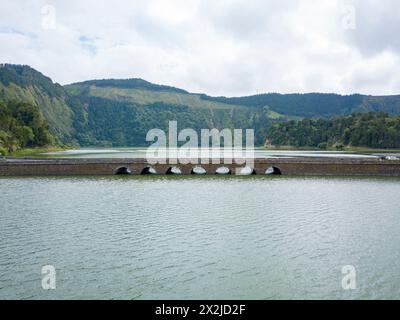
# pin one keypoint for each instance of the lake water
(199, 237)
(141, 153)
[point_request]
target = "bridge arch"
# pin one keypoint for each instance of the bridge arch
(223, 171)
(198, 170)
(246, 171)
(148, 170)
(173, 171)
(122, 171)
(273, 171)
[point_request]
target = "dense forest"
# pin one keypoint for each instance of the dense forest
(22, 126)
(374, 130)
(311, 105)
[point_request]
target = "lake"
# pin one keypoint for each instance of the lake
(141, 153)
(199, 237)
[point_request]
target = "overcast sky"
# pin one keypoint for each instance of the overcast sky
(219, 47)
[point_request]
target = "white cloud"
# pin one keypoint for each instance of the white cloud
(225, 47)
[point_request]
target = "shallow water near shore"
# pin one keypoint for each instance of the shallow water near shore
(199, 237)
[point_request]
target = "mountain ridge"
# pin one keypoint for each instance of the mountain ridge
(99, 80)
(119, 112)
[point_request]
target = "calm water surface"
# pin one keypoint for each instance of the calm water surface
(141, 153)
(197, 238)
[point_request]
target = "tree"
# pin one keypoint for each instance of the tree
(22, 125)
(376, 130)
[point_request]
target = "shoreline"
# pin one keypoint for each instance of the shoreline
(32, 152)
(356, 150)
(41, 152)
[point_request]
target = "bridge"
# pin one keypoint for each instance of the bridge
(301, 166)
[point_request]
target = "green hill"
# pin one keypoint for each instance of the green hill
(24, 84)
(113, 112)
(137, 106)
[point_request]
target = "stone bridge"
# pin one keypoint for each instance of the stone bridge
(301, 166)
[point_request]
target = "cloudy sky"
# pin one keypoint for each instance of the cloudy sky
(219, 47)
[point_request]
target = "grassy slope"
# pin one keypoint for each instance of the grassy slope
(146, 97)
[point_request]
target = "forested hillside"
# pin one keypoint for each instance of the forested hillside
(133, 111)
(21, 126)
(374, 130)
(317, 104)
(115, 112)
(131, 121)
(24, 84)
